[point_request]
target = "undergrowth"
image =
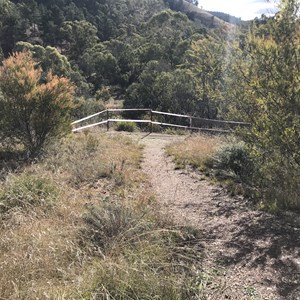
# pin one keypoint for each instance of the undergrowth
(222, 159)
(126, 126)
(82, 223)
(232, 164)
(26, 191)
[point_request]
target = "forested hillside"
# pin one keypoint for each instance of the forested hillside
(227, 17)
(142, 49)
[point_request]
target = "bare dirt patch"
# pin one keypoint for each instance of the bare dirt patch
(249, 254)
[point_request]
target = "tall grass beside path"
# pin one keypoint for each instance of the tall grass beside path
(82, 223)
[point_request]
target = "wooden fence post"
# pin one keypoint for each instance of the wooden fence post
(107, 118)
(151, 119)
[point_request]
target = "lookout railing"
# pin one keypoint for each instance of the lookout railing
(152, 117)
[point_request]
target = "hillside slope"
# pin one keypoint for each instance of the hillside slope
(201, 16)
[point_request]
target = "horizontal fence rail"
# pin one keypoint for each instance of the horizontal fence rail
(191, 119)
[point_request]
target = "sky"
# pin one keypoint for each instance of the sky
(245, 9)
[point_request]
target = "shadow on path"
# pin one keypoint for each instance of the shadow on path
(260, 241)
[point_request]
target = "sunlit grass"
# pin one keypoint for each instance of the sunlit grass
(194, 151)
(99, 235)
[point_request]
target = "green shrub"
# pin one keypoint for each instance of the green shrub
(278, 186)
(234, 158)
(85, 107)
(126, 126)
(27, 191)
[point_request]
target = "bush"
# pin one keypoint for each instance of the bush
(32, 111)
(126, 126)
(26, 191)
(85, 107)
(234, 158)
(278, 185)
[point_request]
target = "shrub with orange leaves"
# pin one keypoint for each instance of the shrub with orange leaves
(32, 111)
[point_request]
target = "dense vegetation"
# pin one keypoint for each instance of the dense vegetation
(267, 93)
(137, 49)
(169, 55)
(227, 17)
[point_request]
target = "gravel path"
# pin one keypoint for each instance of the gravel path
(249, 254)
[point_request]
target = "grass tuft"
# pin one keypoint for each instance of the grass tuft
(26, 191)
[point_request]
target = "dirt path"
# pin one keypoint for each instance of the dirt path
(249, 254)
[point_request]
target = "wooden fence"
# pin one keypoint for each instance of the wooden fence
(193, 123)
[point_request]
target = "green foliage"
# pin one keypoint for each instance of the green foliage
(85, 107)
(106, 42)
(205, 59)
(48, 57)
(175, 4)
(143, 92)
(234, 157)
(100, 65)
(177, 91)
(101, 42)
(126, 126)
(173, 91)
(32, 112)
(181, 75)
(265, 90)
(1, 55)
(11, 29)
(79, 35)
(27, 191)
(227, 17)
(177, 30)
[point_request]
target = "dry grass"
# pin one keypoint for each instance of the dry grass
(42, 253)
(195, 150)
(100, 237)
